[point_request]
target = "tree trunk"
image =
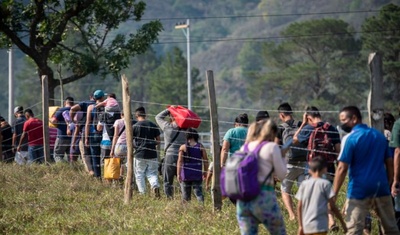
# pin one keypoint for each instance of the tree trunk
(46, 70)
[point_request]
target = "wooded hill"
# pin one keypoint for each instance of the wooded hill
(258, 55)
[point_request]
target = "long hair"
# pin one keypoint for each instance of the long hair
(268, 131)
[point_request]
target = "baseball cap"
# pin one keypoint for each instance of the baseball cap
(261, 115)
(98, 94)
(18, 109)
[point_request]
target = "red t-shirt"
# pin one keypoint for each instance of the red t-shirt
(34, 128)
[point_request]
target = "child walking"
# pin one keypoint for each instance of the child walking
(192, 162)
(111, 104)
(315, 195)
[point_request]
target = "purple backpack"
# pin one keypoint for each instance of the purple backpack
(239, 176)
(192, 164)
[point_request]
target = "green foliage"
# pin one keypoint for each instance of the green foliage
(79, 35)
(317, 62)
(168, 83)
(381, 33)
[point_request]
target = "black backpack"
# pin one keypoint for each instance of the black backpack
(107, 118)
(297, 152)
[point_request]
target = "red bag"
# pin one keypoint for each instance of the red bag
(184, 117)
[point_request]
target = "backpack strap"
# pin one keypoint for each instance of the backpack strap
(173, 139)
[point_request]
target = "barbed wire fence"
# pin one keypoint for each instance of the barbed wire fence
(206, 121)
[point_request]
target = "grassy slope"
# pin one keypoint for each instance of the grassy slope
(57, 199)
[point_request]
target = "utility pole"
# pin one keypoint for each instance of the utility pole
(10, 84)
(186, 31)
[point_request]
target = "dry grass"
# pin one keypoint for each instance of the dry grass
(57, 199)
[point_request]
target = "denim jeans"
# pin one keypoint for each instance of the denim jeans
(35, 154)
(186, 187)
(146, 168)
(94, 143)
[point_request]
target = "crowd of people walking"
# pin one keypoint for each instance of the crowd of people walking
(309, 153)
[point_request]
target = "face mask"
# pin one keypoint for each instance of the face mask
(346, 128)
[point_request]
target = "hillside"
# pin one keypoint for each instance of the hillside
(219, 31)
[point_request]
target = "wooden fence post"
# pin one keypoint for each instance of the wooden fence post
(126, 100)
(45, 110)
(375, 97)
(216, 191)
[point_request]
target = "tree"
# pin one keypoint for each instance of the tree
(381, 33)
(316, 63)
(168, 83)
(80, 35)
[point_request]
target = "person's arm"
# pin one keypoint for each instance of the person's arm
(340, 175)
(158, 147)
(396, 167)
(208, 179)
(205, 161)
(21, 141)
(74, 135)
(332, 206)
(279, 161)
(73, 111)
(389, 169)
(224, 152)
(14, 142)
(303, 124)
(300, 218)
(182, 149)
(115, 139)
(160, 119)
(101, 104)
(88, 123)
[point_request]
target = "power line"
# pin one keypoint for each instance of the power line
(263, 15)
(278, 37)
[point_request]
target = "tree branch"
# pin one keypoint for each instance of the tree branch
(59, 30)
(39, 15)
(73, 78)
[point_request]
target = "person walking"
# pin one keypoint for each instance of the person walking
(174, 137)
(235, 137)
(297, 156)
(146, 137)
(192, 166)
(63, 141)
(21, 157)
(265, 207)
(33, 128)
(365, 155)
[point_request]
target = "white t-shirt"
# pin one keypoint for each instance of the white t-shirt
(270, 157)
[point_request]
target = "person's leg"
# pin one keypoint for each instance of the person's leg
(139, 170)
(355, 213)
(58, 153)
(286, 188)
(198, 190)
(152, 173)
(95, 154)
(186, 188)
(265, 208)
(168, 175)
(248, 224)
(31, 156)
(384, 209)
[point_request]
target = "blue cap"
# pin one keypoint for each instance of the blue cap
(98, 94)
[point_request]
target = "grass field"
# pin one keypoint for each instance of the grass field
(58, 199)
